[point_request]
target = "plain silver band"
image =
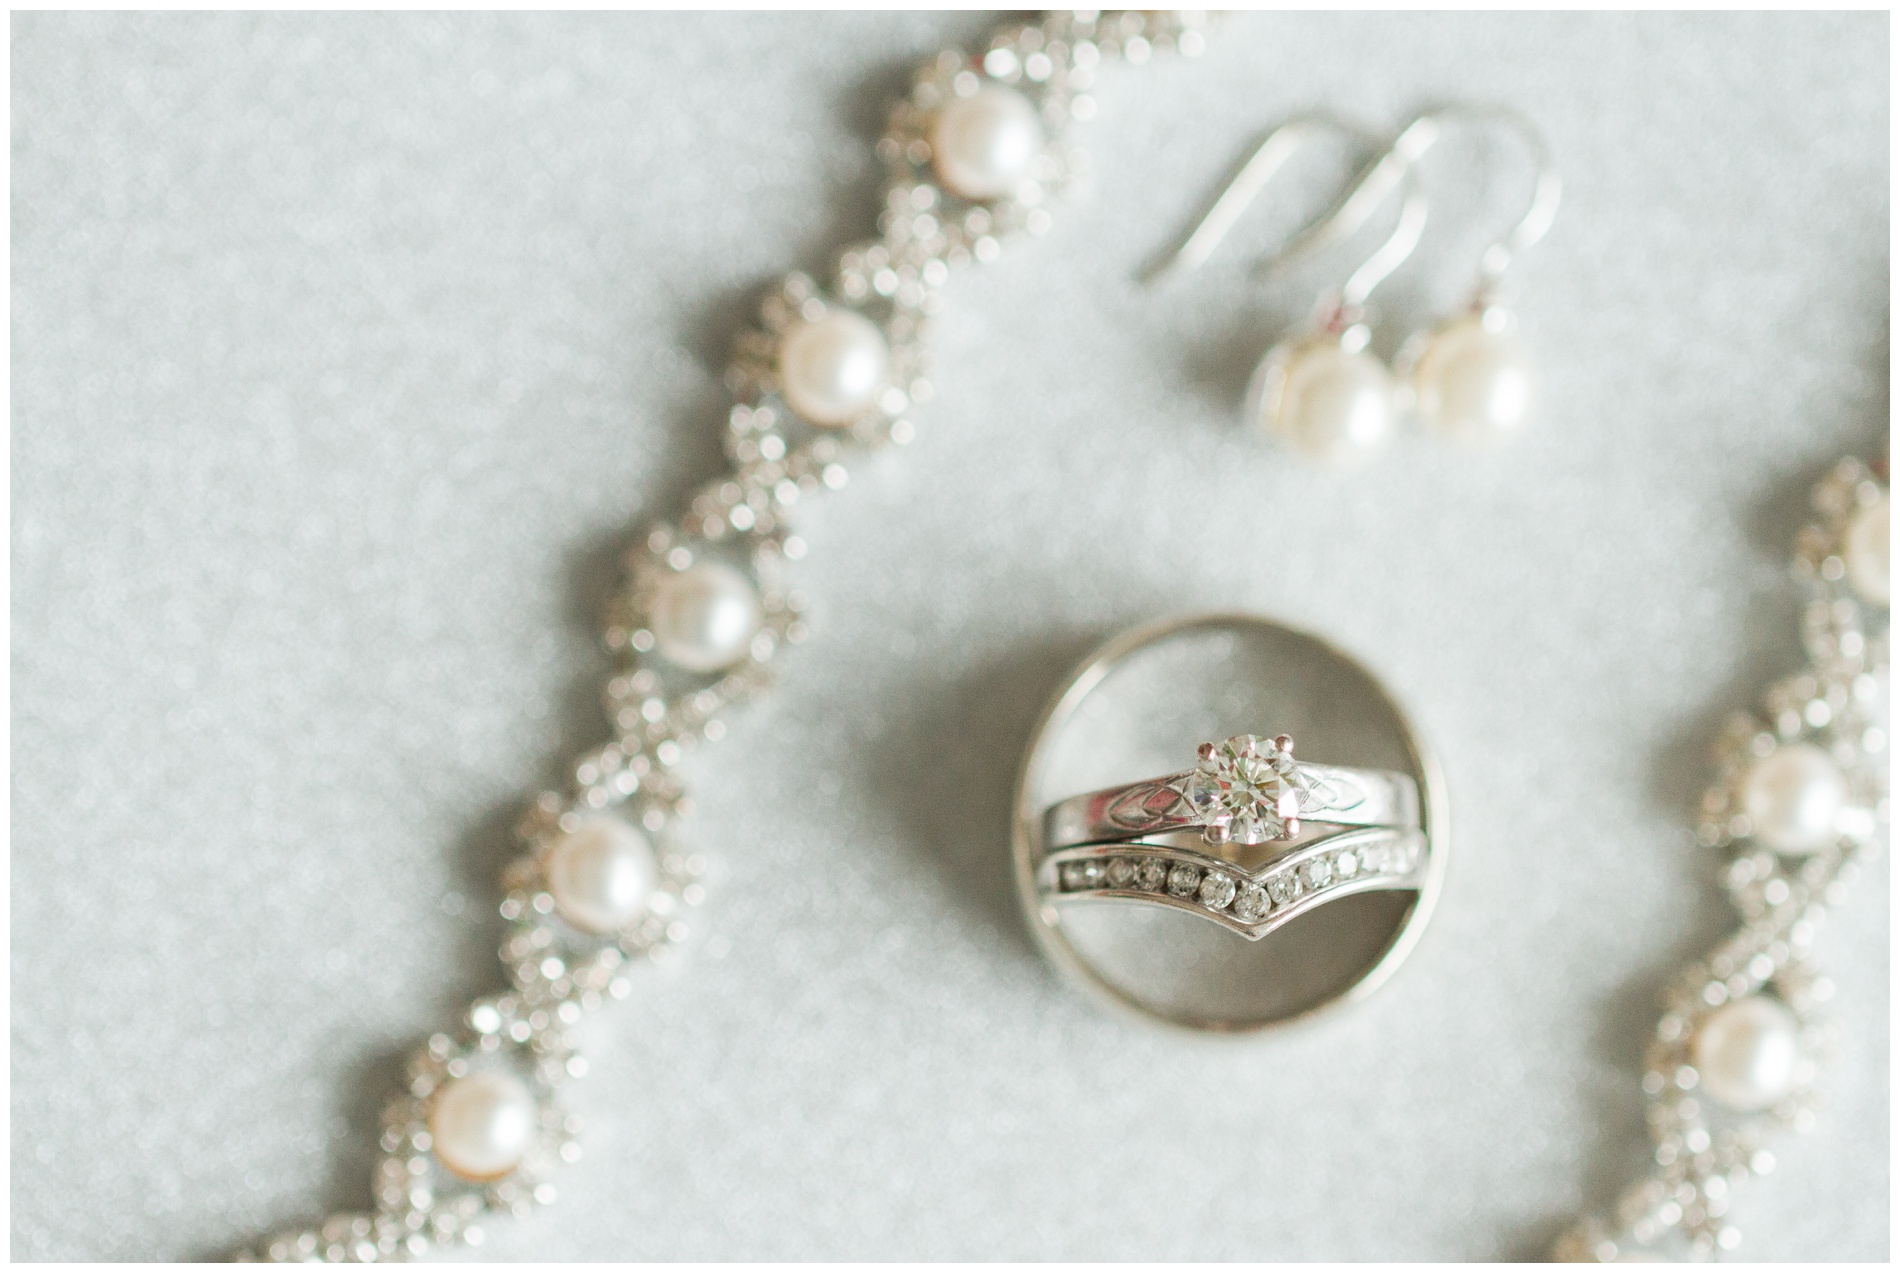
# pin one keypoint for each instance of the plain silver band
(1349, 862)
(1371, 798)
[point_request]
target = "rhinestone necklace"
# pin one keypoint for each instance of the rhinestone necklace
(974, 156)
(1800, 794)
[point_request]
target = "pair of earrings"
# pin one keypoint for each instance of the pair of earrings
(1322, 391)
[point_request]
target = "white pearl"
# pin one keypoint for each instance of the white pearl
(832, 370)
(705, 616)
(1794, 796)
(1746, 1053)
(982, 145)
(1473, 381)
(1333, 404)
(601, 874)
(1868, 553)
(482, 1124)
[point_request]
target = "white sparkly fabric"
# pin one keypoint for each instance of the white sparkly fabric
(347, 352)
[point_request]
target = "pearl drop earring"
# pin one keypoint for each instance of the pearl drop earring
(1470, 376)
(1325, 392)
(1321, 391)
(1467, 378)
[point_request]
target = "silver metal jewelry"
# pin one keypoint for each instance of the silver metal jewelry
(1252, 903)
(1467, 378)
(1130, 842)
(974, 155)
(1800, 795)
(1180, 974)
(1248, 789)
(1319, 390)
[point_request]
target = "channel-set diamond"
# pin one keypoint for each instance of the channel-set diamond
(1080, 876)
(1217, 890)
(1251, 903)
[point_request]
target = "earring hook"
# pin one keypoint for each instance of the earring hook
(1396, 163)
(1260, 168)
(1391, 254)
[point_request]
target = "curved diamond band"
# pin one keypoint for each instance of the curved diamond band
(1247, 790)
(1251, 903)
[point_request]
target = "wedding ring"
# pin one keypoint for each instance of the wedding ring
(1251, 903)
(1247, 790)
(1253, 890)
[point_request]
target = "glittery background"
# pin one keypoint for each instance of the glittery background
(347, 351)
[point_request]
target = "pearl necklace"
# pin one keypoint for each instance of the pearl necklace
(1800, 795)
(975, 154)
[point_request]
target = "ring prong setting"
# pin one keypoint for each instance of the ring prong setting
(1247, 790)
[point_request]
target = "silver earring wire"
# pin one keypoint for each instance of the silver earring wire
(1376, 182)
(1351, 415)
(1260, 168)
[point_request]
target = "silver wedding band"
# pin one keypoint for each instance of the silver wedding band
(1253, 904)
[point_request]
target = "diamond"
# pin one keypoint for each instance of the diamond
(1217, 890)
(1373, 857)
(1283, 888)
(1121, 873)
(1348, 865)
(1246, 789)
(1251, 903)
(1183, 880)
(1319, 873)
(1078, 877)
(1151, 874)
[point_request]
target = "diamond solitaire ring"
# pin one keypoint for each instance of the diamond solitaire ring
(1247, 791)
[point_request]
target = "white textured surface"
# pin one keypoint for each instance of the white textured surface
(347, 350)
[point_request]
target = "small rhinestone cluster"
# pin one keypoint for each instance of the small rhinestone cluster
(1830, 721)
(420, 1204)
(733, 546)
(656, 707)
(549, 960)
(1230, 894)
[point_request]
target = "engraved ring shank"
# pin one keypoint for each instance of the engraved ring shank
(1354, 798)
